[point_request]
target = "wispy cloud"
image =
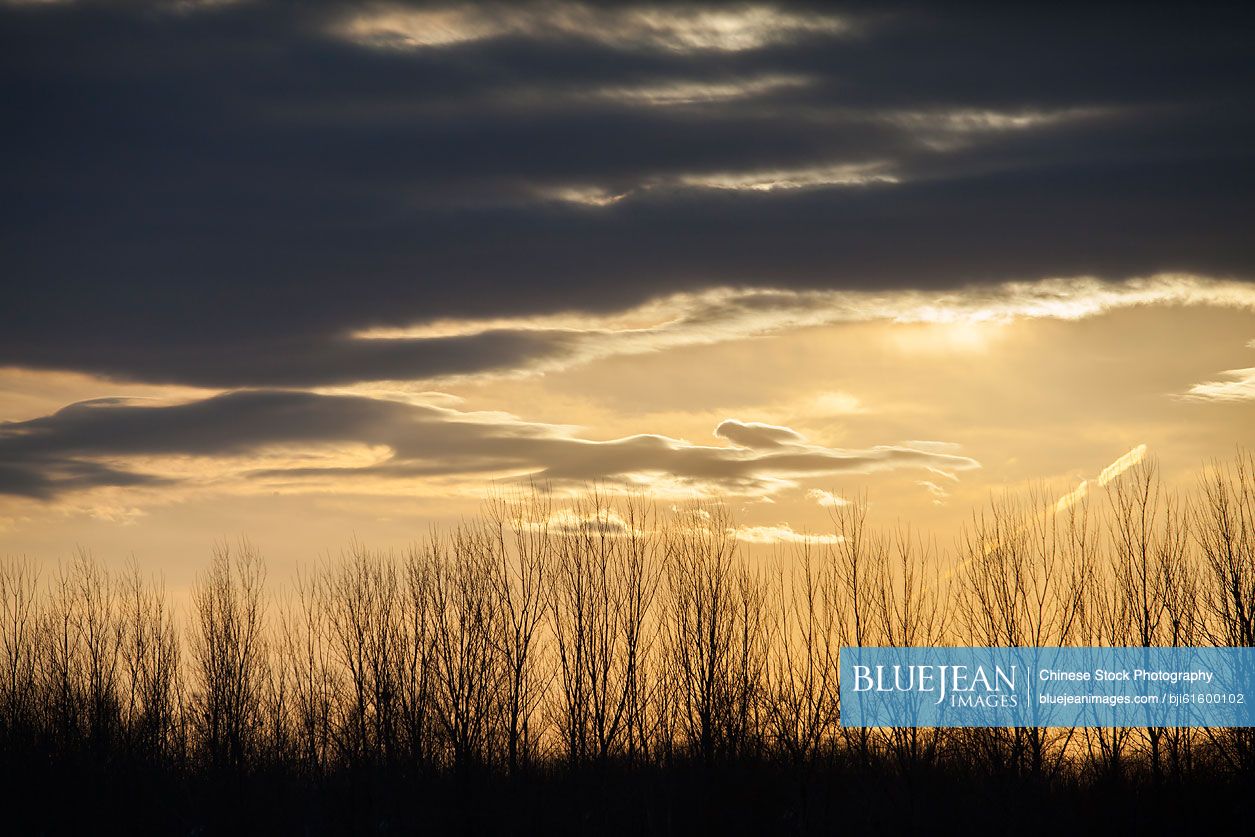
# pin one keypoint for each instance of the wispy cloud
(783, 533)
(557, 341)
(1077, 495)
(1073, 497)
(307, 441)
(939, 493)
(1239, 386)
(1235, 385)
(680, 91)
(698, 28)
(1122, 464)
(1105, 477)
(445, 351)
(810, 176)
(827, 499)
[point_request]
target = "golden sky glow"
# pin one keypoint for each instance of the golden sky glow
(980, 396)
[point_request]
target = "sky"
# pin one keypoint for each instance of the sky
(309, 272)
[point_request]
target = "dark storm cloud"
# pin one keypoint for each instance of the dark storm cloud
(221, 193)
(71, 449)
(282, 359)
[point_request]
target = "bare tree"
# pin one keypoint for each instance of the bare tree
(465, 623)
(598, 634)
(150, 653)
(1152, 571)
(82, 637)
(229, 657)
(1025, 565)
(640, 553)
(603, 582)
(522, 550)
(19, 648)
(802, 667)
(1225, 531)
(857, 560)
(716, 635)
(1107, 622)
(365, 617)
(913, 609)
(306, 652)
(1224, 528)
(418, 662)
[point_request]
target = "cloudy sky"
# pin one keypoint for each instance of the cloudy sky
(305, 271)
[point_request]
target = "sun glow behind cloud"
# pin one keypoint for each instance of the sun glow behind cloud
(761, 460)
(766, 308)
(777, 505)
(965, 320)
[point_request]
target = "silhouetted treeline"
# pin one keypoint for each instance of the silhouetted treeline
(607, 664)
